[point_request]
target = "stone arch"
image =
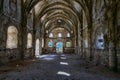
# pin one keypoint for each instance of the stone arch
(12, 37)
(29, 40)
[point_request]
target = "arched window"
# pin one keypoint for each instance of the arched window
(68, 44)
(29, 41)
(68, 34)
(86, 43)
(50, 43)
(12, 37)
(100, 41)
(59, 47)
(51, 35)
(59, 34)
(42, 43)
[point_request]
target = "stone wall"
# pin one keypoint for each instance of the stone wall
(101, 57)
(11, 16)
(29, 53)
(8, 55)
(118, 57)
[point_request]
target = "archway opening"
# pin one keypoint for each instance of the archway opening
(37, 48)
(59, 47)
(100, 41)
(29, 41)
(12, 37)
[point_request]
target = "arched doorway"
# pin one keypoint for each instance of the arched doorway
(29, 40)
(37, 48)
(59, 47)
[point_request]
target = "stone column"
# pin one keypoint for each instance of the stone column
(112, 25)
(19, 10)
(6, 7)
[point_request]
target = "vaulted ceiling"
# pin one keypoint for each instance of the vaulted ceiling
(58, 13)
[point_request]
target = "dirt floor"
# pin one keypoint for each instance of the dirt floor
(56, 67)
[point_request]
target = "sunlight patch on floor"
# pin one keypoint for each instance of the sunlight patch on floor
(64, 63)
(47, 57)
(63, 73)
(63, 57)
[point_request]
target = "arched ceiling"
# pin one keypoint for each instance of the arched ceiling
(48, 12)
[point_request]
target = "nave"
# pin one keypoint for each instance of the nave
(86, 31)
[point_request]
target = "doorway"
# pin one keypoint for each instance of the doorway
(59, 47)
(37, 48)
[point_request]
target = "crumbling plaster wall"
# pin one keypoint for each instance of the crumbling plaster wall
(10, 16)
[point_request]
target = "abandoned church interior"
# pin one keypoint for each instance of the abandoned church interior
(59, 39)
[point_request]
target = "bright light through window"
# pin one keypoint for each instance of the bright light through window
(50, 43)
(51, 35)
(68, 34)
(59, 35)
